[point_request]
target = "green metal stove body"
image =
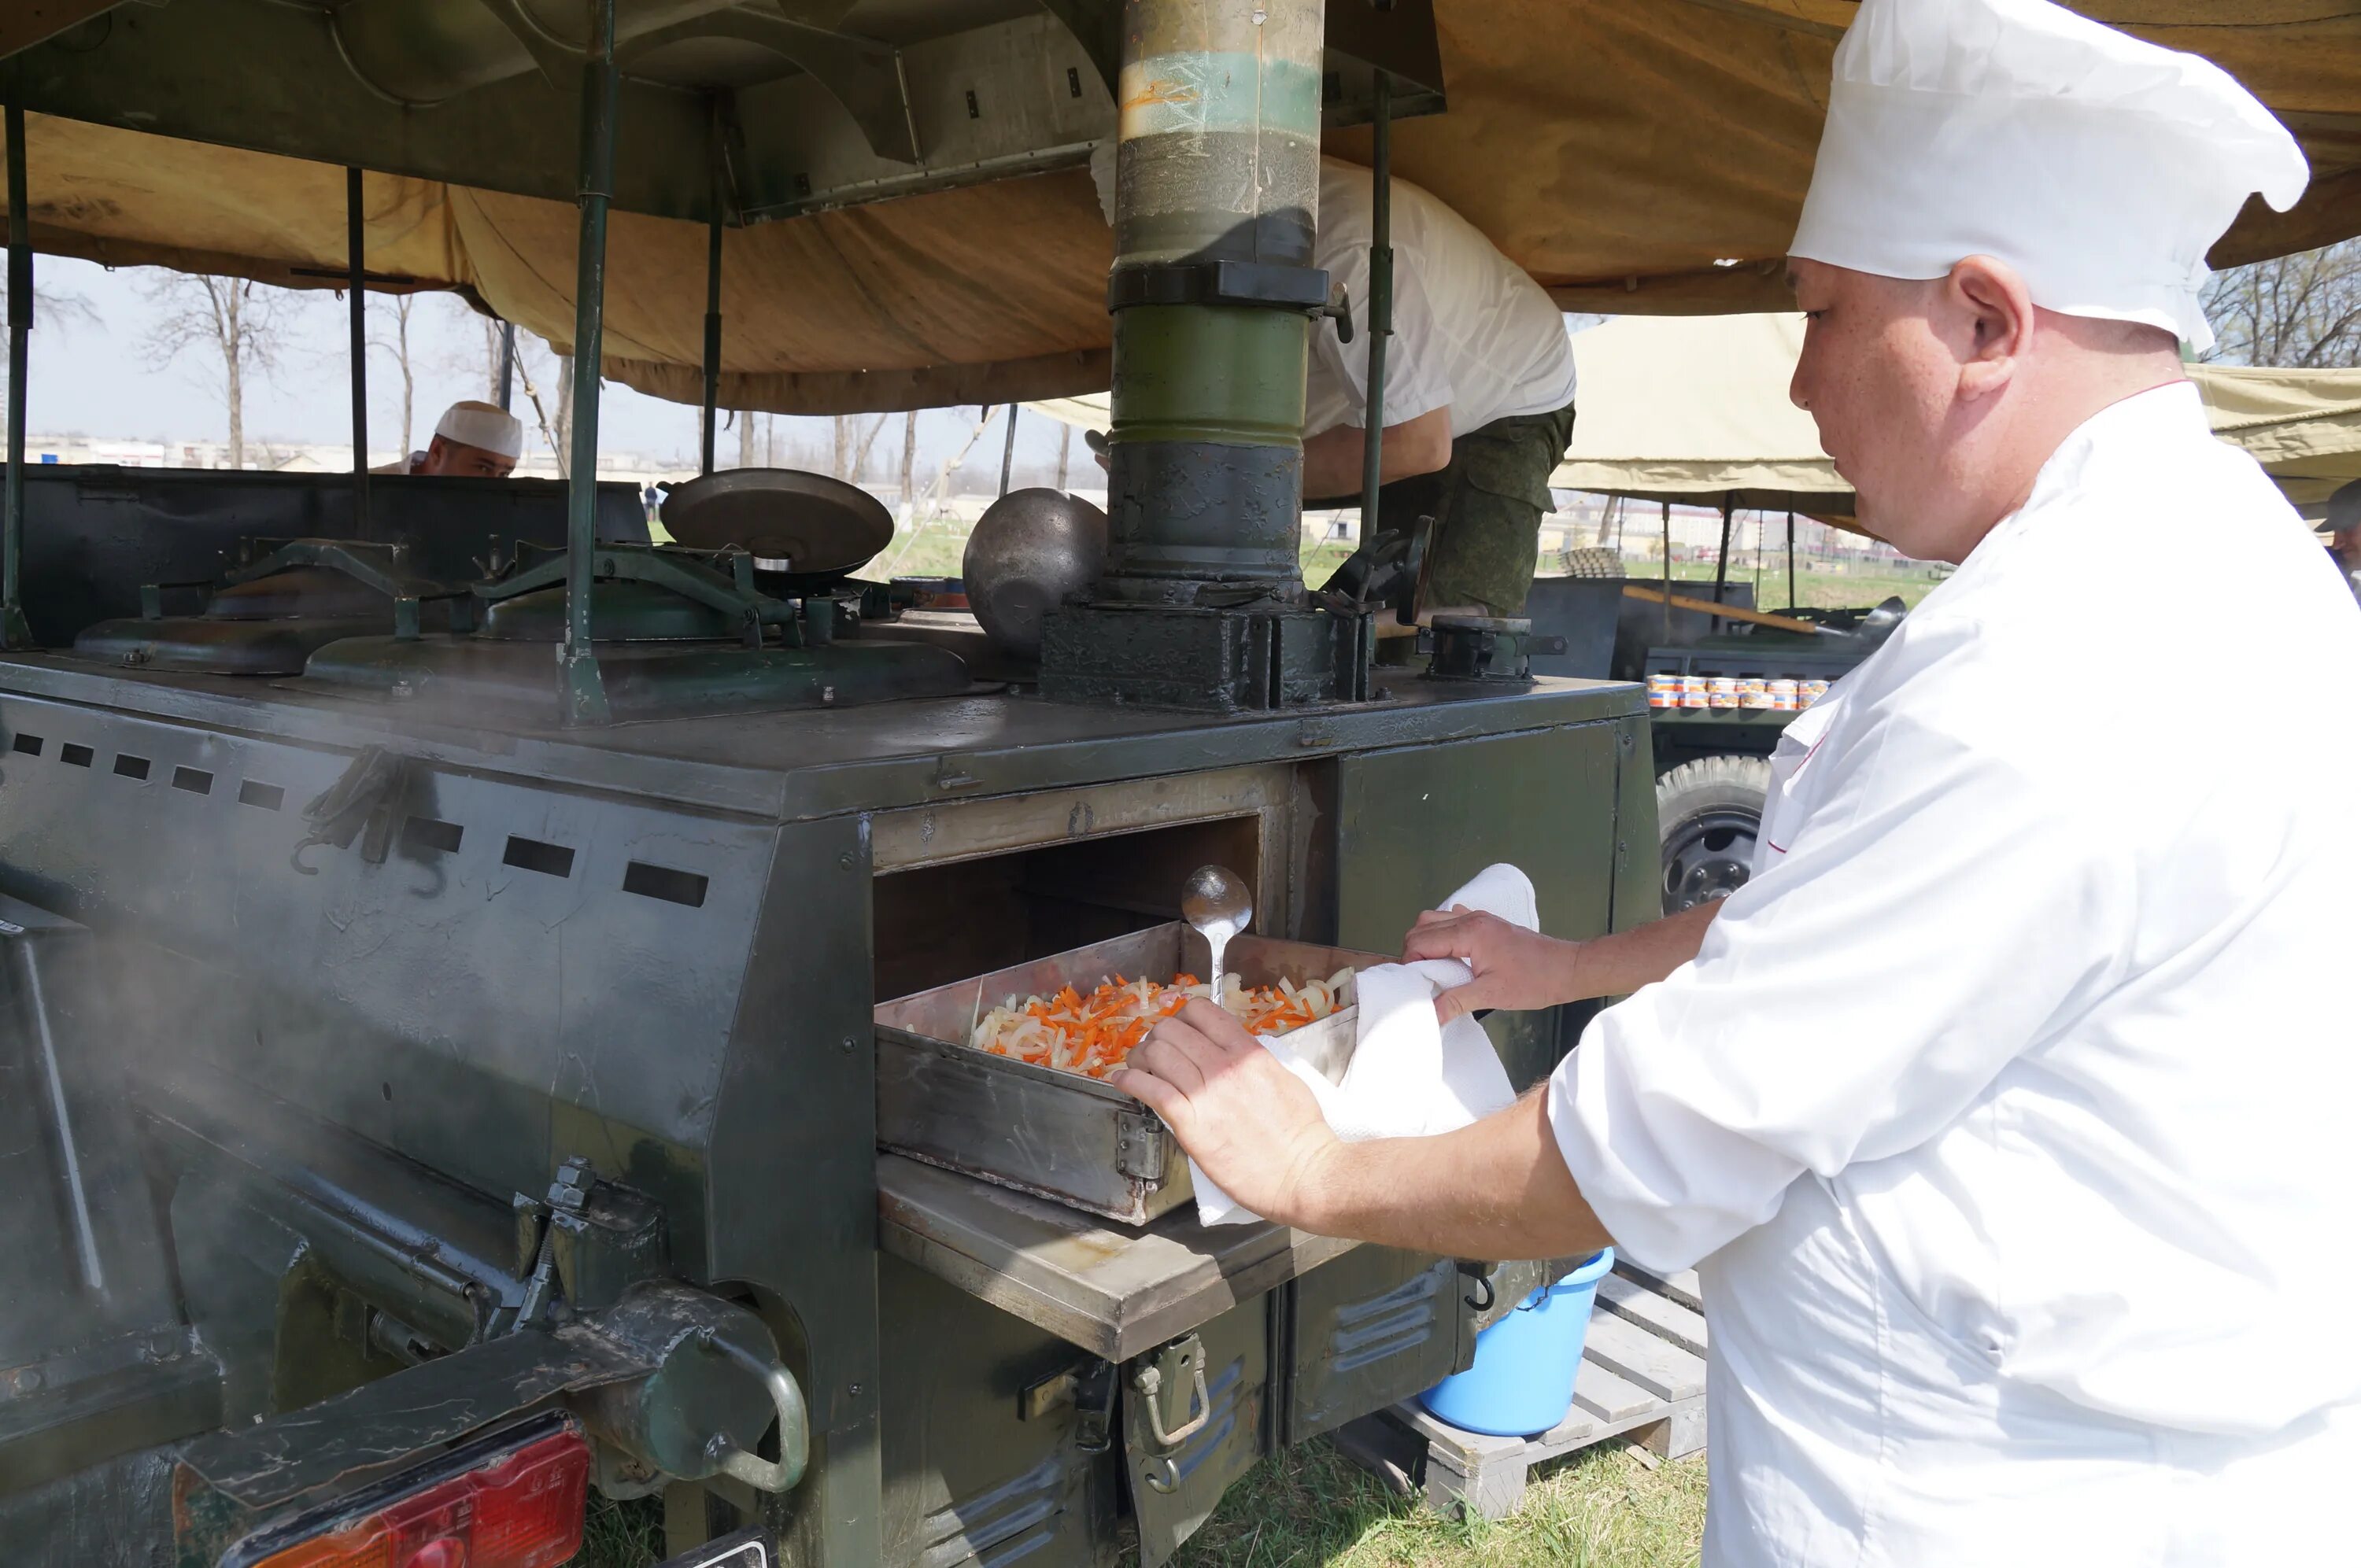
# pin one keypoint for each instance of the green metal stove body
(312, 1087)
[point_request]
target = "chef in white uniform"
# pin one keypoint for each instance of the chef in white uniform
(2006, 1113)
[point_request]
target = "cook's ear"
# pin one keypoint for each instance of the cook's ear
(1991, 301)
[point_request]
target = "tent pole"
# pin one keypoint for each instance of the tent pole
(357, 298)
(508, 364)
(583, 692)
(1668, 571)
(1381, 301)
(1008, 449)
(712, 331)
(14, 630)
(1791, 559)
(1721, 561)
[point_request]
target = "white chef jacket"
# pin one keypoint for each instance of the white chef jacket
(2008, 1112)
(1471, 330)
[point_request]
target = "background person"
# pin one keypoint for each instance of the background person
(472, 440)
(1479, 390)
(2345, 534)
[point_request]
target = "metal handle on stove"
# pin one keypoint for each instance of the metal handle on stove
(1150, 1381)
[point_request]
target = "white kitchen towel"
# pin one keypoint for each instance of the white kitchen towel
(1409, 1076)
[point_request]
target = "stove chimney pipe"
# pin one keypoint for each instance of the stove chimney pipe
(1213, 291)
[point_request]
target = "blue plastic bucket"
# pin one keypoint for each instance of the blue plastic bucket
(1522, 1379)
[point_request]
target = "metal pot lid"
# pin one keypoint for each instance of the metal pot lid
(818, 523)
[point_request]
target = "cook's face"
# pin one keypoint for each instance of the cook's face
(456, 458)
(1879, 383)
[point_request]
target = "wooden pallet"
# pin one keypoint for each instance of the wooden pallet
(1642, 1377)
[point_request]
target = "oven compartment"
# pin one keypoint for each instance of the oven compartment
(1059, 1134)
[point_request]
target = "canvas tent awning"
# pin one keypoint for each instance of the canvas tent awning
(1642, 158)
(1696, 408)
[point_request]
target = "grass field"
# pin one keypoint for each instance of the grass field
(1311, 1508)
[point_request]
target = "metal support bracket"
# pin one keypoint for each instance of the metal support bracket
(1185, 1358)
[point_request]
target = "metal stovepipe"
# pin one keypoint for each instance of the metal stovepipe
(13, 632)
(1217, 196)
(582, 691)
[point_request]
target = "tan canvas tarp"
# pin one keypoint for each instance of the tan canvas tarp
(1619, 152)
(1693, 409)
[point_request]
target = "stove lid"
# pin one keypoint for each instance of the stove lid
(810, 520)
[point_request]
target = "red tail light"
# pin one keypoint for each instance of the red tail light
(519, 1508)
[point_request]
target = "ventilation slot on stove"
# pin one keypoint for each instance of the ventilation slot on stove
(533, 855)
(253, 792)
(662, 882)
(130, 767)
(196, 781)
(428, 836)
(29, 744)
(74, 756)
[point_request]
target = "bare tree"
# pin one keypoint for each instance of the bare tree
(553, 433)
(2302, 311)
(398, 344)
(904, 501)
(745, 418)
(1065, 450)
(869, 432)
(56, 309)
(240, 325)
(564, 437)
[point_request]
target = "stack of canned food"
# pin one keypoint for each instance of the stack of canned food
(1780, 695)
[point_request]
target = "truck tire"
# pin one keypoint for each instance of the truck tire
(1710, 811)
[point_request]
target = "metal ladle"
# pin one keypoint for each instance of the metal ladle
(1218, 905)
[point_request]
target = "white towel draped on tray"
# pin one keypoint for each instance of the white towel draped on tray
(1409, 1076)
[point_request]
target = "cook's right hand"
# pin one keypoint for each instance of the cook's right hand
(1515, 968)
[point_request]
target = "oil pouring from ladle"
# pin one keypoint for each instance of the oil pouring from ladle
(1218, 905)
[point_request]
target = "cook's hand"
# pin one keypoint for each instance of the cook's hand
(1247, 1121)
(1515, 968)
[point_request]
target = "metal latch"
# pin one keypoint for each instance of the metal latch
(1141, 1151)
(1185, 1357)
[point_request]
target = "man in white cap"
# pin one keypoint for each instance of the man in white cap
(1479, 390)
(2345, 533)
(472, 440)
(2006, 1113)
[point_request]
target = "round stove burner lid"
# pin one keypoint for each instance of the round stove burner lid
(818, 523)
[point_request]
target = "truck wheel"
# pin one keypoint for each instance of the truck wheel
(1710, 811)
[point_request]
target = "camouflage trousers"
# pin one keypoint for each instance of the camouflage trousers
(1487, 504)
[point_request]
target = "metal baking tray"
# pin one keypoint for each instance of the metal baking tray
(1059, 1134)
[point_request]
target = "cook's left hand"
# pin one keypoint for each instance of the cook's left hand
(1249, 1124)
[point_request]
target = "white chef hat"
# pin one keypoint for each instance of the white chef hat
(485, 426)
(2100, 167)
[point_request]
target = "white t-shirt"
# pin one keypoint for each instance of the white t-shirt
(1471, 330)
(2006, 1112)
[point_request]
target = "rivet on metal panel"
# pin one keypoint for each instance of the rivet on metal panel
(848, 1042)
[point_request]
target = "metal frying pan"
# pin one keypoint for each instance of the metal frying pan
(814, 522)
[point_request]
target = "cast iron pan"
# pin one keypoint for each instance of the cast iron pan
(815, 523)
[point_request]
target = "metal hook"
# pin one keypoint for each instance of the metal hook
(296, 859)
(1490, 1296)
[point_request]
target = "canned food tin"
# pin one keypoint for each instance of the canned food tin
(1721, 691)
(1783, 695)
